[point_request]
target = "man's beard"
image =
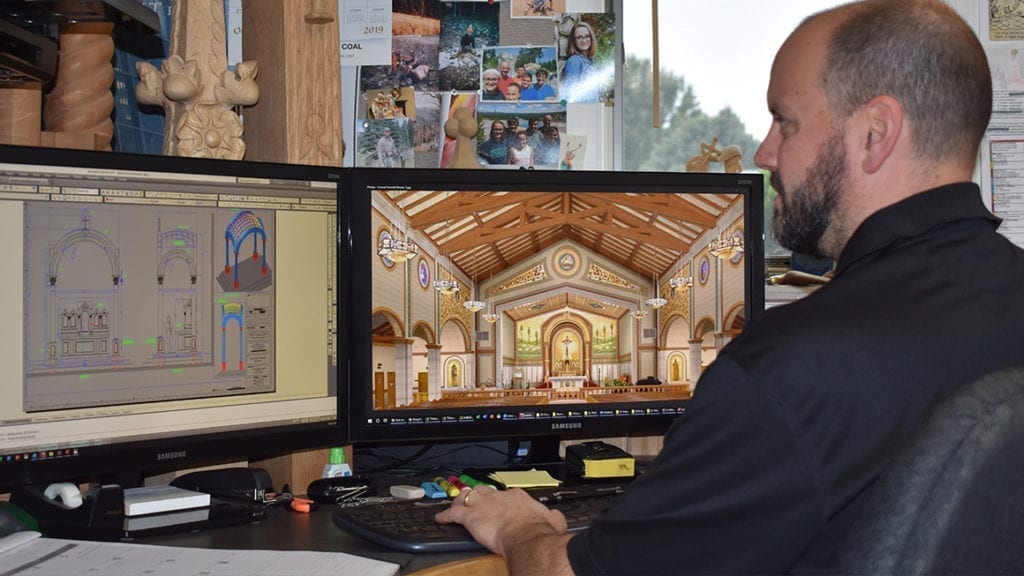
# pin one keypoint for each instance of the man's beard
(809, 207)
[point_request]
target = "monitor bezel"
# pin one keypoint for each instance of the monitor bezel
(131, 459)
(357, 264)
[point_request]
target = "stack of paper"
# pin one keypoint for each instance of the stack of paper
(532, 478)
(156, 499)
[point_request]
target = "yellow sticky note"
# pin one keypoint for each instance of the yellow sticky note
(524, 478)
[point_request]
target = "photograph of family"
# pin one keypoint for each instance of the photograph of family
(520, 135)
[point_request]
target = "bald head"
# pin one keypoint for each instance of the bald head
(919, 52)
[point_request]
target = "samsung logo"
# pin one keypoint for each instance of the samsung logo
(171, 455)
(567, 426)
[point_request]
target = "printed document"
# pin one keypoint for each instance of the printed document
(30, 554)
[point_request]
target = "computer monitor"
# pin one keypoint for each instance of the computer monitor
(164, 312)
(541, 304)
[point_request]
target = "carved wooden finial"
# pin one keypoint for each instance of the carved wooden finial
(731, 156)
(463, 127)
(196, 88)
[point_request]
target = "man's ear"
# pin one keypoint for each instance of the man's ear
(883, 118)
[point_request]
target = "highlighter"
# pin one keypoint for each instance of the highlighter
(447, 487)
(454, 481)
(473, 482)
(433, 490)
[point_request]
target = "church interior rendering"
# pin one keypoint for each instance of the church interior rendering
(526, 298)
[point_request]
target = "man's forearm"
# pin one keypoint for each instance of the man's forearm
(536, 549)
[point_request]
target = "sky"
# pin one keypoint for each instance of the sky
(722, 48)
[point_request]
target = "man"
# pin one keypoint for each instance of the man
(878, 110)
(494, 150)
(387, 150)
(506, 78)
(527, 91)
(468, 42)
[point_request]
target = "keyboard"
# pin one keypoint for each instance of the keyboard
(409, 526)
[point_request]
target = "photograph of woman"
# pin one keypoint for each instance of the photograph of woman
(587, 71)
(490, 91)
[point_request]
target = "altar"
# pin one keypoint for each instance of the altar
(568, 381)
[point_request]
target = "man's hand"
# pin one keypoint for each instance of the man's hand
(530, 536)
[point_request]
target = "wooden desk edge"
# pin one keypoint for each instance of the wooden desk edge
(489, 565)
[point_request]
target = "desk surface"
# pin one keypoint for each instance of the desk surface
(284, 529)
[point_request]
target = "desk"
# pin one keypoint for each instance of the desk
(284, 529)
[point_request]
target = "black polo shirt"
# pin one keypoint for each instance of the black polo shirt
(793, 422)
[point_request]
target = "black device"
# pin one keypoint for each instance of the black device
(536, 255)
(237, 483)
(173, 312)
(100, 515)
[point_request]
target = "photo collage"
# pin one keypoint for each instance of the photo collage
(514, 65)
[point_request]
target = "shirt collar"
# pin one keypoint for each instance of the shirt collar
(913, 216)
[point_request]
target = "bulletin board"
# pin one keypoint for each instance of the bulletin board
(541, 77)
(1000, 170)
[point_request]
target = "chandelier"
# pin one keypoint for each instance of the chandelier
(657, 301)
(491, 317)
(726, 248)
(639, 313)
(474, 306)
(680, 282)
(397, 250)
(446, 286)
